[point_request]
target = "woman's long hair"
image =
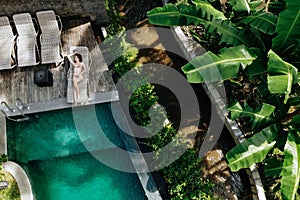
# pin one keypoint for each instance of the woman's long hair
(79, 56)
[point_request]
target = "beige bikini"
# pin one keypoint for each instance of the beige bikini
(77, 70)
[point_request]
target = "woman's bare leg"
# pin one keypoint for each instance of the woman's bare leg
(76, 92)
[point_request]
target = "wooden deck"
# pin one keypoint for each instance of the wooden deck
(19, 82)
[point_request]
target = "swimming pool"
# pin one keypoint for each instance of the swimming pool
(58, 165)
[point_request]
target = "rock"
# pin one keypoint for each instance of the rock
(215, 169)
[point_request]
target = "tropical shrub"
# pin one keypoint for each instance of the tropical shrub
(141, 101)
(259, 40)
(115, 26)
(3, 158)
(123, 57)
(187, 184)
(120, 53)
(184, 176)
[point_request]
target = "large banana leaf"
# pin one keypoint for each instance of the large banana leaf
(262, 21)
(244, 5)
(295, 122)
(281, 75)
(252, 150)
(258, 118)
(288, 25)
(210, 11)
(273, 167)
(240, 5)
(254, 4)
(257, 68)
(214, 23)
(210, 67)
(291, 53)
(183, 14)
(291, 167)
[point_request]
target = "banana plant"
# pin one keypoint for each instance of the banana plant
(291, 167)
(262, 21)
(258, 117)
(198, 14)
(288, 27)
(262, 42)
(245, 5)
(210, 67)
(281, 75)
(253, 149)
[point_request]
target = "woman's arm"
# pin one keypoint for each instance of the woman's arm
(69, 58)
(83, 68)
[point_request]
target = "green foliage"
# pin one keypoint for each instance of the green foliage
(282, 75)
(253, 149)
(123, 64)
(214, 23)
(120, 52)
(188, 184)
(144, 97)
(291, 167)
(273, 27)
(184, 178)
(286, 43)
(295, 123)
(273, 167)
(141, 101)
(114, 27)
(244, 5)
(262, 21)
(11, 192)
(276, 6)
(258, 117)
(210, 67)
(288, 26)
(239, 6)
(3, 158)
(162, 138)
(210, 10)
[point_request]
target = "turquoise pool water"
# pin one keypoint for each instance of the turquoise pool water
(60, 168)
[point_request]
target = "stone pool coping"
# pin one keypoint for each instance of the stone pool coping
(62, 104)
(21, 178)
(138, 160)
(192, 49)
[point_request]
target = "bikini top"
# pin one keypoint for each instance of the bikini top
(77, 68)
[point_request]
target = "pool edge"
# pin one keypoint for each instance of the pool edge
(145, 176)
(21, 178)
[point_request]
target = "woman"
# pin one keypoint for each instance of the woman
(78, 70)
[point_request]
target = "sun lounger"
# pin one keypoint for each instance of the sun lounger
(27, 49)
(83, 85)
(50, 48)
(50, 25)
(7, 43)
(49, 22)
